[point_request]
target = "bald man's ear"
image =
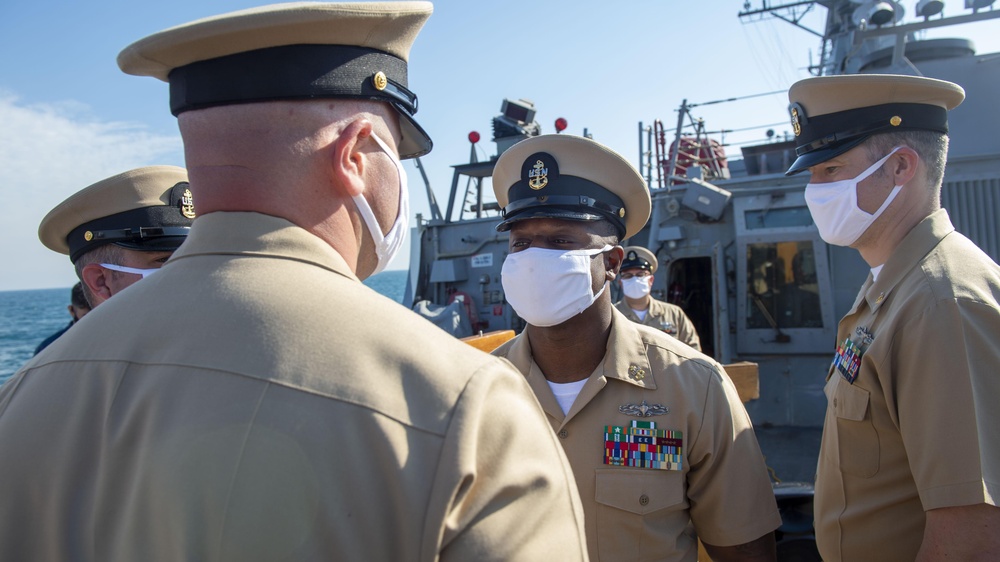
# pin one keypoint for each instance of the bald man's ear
(347, 160)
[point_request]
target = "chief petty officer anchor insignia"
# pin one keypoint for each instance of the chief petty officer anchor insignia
(847, 360)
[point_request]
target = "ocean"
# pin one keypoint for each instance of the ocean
(28, 317)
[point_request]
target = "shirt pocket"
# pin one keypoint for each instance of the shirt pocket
(857, 439)
(640, 512)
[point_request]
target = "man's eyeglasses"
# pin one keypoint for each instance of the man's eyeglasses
(642, 274)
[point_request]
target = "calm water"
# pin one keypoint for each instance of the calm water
(28, 317)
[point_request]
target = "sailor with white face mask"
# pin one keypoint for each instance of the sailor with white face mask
(121, 229)
(608, 385)
(909, 457)
(636, 279)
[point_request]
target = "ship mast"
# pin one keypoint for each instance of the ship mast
(857, 32)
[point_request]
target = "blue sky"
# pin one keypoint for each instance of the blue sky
(69, 117)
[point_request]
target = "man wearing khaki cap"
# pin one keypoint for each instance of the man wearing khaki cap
(258, 402)
(909, 465)
(636, 280)
(654, 430)
(121, 229)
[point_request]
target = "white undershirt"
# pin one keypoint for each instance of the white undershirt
(875, 271)
(566, 393)
(640, 313)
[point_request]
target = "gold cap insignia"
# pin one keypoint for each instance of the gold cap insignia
(621, 212)
(88, 236)
(380, 81)
(187, 204)
(895, 121)
(538, 176)
(799, 117)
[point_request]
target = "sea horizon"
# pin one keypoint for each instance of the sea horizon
(28, 316)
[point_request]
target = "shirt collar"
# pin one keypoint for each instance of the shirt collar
(918, 243)
(227, 233)
(625, 356)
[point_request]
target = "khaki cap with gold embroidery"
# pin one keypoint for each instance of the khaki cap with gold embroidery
(293, 51)
(833, 114)
(148, 209)
(572, 178)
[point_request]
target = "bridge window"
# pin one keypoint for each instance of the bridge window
(782, 288)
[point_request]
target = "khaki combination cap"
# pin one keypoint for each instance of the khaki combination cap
(572, 178)
(147, 209)
(294, 51)
(833, 114)
(639, 257)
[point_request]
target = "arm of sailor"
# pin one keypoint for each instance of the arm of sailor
(968, 533)
(759, 550)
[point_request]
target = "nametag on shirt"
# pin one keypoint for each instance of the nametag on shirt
(642, 445)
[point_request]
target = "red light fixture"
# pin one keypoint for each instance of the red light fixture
(561, 125)
(474, 137)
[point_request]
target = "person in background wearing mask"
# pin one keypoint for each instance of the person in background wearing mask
(909, 465)
(254, 400)
(78, 307)
(121, 229)
(654, 430)
(636, 279)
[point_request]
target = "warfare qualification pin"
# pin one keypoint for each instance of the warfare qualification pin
(643, 410)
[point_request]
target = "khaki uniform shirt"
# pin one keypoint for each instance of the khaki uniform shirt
(254, 401)
(667, 317)
(919, 428)
(719, 483)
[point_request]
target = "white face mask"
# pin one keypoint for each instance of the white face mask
(548, 287)
(144, 272)
(834, 207)
(387, 246)
(636, 287)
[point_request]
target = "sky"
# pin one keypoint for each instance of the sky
(69, 117)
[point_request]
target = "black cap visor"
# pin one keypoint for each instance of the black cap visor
(549, 213)
(821, 155)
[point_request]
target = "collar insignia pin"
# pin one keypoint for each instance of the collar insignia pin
(636, 373)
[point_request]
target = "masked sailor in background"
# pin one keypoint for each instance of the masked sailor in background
(636, 279)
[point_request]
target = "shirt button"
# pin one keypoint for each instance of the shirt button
(563, 434)
(834, 402)
(644, 500)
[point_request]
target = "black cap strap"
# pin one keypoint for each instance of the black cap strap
(292, 72)
(826, 130)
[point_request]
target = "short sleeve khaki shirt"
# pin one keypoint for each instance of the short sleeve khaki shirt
(912, 421)
(633, 513)
(255, 401)
(666, 317)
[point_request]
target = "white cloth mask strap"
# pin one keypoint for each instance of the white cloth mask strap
(144, 272)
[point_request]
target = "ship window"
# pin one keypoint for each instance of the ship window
(782, 288)
(777, 218)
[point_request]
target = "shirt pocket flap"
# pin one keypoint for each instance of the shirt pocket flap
(639, 491)
(850, 402)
